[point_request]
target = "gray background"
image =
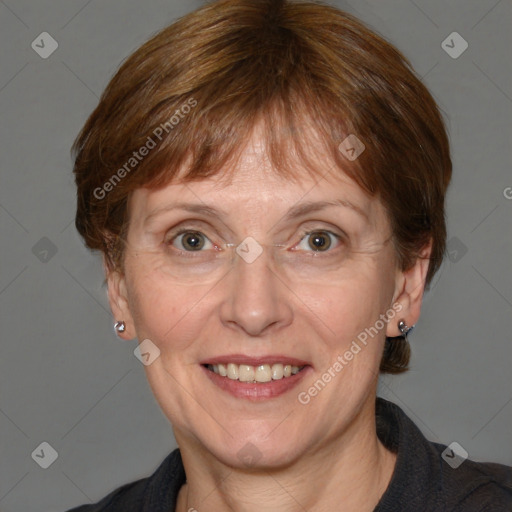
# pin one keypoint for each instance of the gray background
(67, 380)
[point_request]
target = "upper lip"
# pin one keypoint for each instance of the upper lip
(255, 361)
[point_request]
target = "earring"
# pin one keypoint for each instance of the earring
(404, 328)
(119, 327)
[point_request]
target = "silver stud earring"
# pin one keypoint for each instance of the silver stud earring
(404, 328)
(119, 327)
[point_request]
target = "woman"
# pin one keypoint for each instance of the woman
(266, 182)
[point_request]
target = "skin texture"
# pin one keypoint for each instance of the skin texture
(314, 456)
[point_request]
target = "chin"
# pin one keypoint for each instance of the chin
(254, 453)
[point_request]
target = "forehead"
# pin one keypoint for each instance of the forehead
(251, 185)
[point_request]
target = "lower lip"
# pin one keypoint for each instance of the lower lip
(256, 391)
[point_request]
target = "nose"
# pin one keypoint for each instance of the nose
(256, 300)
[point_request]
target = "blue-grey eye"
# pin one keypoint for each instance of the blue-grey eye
(317, 241)
(192, 240)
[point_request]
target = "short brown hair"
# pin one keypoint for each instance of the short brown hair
(202, 83)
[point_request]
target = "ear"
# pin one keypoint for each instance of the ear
(409, 288)
(118, 300)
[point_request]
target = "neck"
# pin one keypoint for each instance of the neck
(352, 471)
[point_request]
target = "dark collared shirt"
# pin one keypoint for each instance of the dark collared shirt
(423, 481)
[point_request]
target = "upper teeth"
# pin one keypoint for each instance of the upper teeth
(248, 373)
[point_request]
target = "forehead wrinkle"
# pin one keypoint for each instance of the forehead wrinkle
(298, 210)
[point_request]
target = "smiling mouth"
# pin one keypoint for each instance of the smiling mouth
(254, 374)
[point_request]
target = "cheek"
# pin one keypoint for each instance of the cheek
(350, 305)
(164, 312)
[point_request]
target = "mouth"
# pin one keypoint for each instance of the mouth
(254, 374)
(255, 379)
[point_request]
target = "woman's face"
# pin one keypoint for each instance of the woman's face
(283, 299)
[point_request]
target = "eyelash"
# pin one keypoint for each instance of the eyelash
(190, 254)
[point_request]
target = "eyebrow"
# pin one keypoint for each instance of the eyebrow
(302, 209)
(299, 210)
(189, 207)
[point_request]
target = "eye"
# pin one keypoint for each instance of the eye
(190, 241)
(318, 240)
